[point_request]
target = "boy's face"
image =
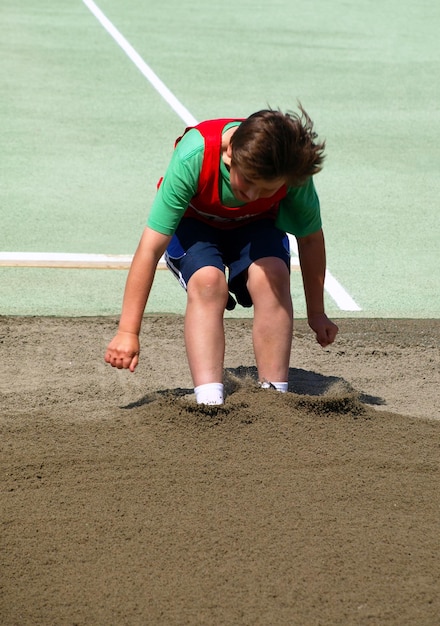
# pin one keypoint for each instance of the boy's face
(247, 190)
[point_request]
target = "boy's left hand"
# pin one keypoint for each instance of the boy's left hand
(324, 329)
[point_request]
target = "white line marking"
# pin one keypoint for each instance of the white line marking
(344, 301)
(63, 259)
(162, 89)
(68, 260)
(123, 262)
(61, 256)
(75, 260)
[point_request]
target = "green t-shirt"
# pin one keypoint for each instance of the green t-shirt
(299, 212)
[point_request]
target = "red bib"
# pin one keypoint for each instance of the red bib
(206, 205)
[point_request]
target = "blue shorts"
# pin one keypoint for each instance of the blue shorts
(196, 245)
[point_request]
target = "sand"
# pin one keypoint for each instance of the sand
(124, 503)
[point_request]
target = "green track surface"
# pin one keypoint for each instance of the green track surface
(85, 136)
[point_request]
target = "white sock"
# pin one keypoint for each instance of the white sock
(211, 393)
(278, 386)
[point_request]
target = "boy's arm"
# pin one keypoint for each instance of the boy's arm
(313, 263)
(123, 350)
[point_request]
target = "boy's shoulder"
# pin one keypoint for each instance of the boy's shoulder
(190, 144)
(209, 130)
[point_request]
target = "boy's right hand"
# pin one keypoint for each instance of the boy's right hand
(123, 351)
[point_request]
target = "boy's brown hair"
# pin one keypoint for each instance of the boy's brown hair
(271, 144)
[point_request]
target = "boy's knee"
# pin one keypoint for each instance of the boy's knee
(208, 284)
(270, 271)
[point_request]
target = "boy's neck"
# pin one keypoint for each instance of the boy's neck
(226, 146)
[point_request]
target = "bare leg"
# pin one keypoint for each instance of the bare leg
(204, 330)
(269, 285)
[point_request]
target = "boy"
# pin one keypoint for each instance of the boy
(231, 192)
